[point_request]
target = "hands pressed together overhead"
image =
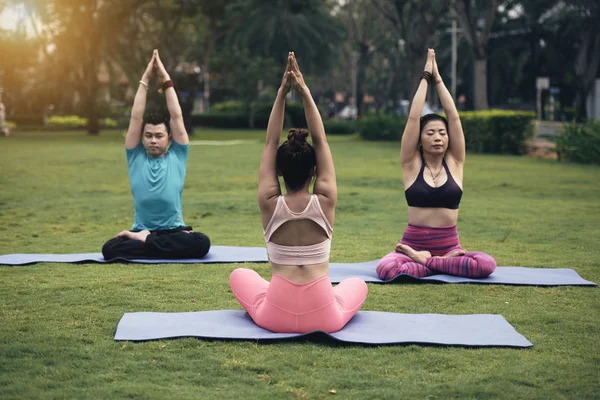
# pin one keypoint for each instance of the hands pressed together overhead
(155, 64)
(432, 67)
(292, 77)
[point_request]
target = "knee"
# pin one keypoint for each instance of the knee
(486, 264)
(240, 275)
(386, 265)
(359, 287)
(202, 244)
(489, 265)
(108, 249)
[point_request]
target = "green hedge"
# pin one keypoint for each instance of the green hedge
(232, 114)
(381, 127)
(76, 122)
(497, 131)
(493, 131)
(232, 106)
(227, 120)
(579, 143)
(294, 113)
(340, 126)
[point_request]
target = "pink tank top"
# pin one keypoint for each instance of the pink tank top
(298, 255)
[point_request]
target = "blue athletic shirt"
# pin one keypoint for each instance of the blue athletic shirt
(156, 185)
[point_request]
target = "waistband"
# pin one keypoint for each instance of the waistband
(437, 240)
(299, 255)
(313, 282)
(451, 228)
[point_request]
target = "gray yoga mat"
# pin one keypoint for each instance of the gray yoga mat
(367, 327)
(217, 254)
(501, 276)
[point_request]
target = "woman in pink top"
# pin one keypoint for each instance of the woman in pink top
(297, 228)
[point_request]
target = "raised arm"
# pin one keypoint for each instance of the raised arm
(325, 182)
(268, 184)
(456, 144)
(410, 137)
(178, 131)
(134, 132)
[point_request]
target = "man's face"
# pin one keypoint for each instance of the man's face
(156, 139)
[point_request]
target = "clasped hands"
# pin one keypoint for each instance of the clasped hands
(155, 64)
(292, 77)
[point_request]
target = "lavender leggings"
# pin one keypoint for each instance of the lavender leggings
(439, 242)
(287, 307)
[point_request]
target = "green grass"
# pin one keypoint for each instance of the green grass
(65, 192)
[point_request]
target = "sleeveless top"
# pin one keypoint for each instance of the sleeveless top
(298, 255)
(421, 194)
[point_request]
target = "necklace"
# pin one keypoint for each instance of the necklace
(436, 175)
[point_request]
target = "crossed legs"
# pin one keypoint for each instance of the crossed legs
(419, 264)
(171, 244)
(283, 306)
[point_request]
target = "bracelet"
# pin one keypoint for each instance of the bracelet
(427, 76)
(145, 84)
(166, 85)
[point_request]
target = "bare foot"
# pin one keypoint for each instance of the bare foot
(455, 253)
(141, 235)
(417, 256)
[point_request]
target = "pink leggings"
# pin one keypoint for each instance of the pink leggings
(439, 242)
(286, 307)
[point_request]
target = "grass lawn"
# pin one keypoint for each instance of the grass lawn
(66, 192)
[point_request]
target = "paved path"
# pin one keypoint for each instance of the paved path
(541, 147)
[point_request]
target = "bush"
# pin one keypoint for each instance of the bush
(66, 122)
(381, 127)
(221, 120)
(493, 131)
(262, 111)
(295, 115)
(108, 123)
(76, 122)
(232, 115)
(497, 131)
(340, 126)
(579, 143)
(228, 107)
(10, 124)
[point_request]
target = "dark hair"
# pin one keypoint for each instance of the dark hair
(296, 159)
(427, 118)
(157, 118)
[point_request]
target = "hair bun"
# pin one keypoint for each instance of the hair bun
(297, 139)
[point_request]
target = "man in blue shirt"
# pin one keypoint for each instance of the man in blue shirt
(157, 153)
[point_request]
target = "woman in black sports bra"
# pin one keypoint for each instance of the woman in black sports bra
(432, 155)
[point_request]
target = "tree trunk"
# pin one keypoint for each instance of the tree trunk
(580, 103)
(91, 111)
(361, 71)
(90, 102)
(586, 69)
(480, 84)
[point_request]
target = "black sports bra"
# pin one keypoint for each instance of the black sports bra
(420, 194)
